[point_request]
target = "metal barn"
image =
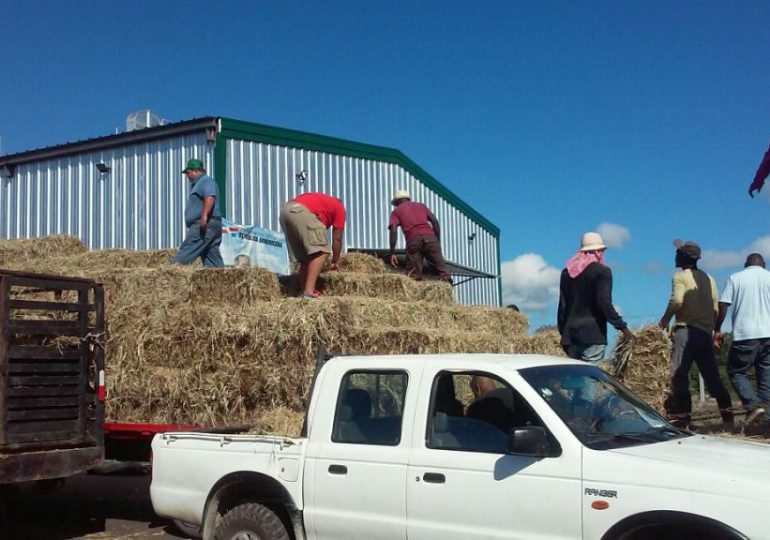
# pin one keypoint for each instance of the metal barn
(127, 191)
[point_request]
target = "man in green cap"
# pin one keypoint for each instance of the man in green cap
(203, 219)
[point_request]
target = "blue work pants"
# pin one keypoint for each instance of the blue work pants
(744, 355)
(204, 245)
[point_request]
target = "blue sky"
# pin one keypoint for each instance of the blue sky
(550, 118)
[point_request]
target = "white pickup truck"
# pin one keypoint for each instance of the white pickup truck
(397, 447)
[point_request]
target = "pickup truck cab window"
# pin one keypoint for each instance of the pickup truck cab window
(600, 411)
(370, 408)
(475, 412)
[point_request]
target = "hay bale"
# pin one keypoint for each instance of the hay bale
(234, 285)
(385, 287)
(232, 365)
(643, 365)
(20, 252)
(280, 421)
(545, 342)
(123, 258)
(361, 263)
(488, 319)
(362, 312)
(176, 284)
(125, 288)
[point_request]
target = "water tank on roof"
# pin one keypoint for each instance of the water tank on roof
(143, 119)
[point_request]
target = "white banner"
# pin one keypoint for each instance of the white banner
(245, 245)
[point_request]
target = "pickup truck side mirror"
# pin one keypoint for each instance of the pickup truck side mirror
(528, 441)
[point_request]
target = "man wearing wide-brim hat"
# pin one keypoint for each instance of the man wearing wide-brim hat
(694, 303)
(422, 233)
(585, 302)
(202, 218)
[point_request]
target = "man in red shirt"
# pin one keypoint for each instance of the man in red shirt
(305, 220)
(421, 231)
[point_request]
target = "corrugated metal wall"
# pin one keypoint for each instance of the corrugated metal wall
(261, 177)
(139, 204)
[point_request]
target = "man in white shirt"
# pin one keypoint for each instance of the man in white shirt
(748, 291)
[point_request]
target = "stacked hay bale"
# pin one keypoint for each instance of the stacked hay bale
(643, 365)
(232, 346)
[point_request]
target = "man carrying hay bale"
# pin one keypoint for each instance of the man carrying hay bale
(305, 220)
(748, 291)
(585, 302)
(422, 233)
(203, 219)
(694, 303)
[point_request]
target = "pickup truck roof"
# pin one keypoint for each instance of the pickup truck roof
(508, 361)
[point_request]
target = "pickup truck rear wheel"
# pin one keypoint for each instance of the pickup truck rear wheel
(250, 521)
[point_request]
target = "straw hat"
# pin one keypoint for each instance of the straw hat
(400, 194)
(591, 241)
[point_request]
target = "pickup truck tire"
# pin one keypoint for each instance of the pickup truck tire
(250, 521)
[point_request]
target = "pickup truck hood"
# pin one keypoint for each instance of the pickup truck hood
(709, 464)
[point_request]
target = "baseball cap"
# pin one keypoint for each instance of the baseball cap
(193, 165)
(688, 248)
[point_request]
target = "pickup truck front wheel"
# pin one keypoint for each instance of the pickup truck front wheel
(250, 521)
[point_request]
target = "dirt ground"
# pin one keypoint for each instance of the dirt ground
(706, 421)
(94, 507)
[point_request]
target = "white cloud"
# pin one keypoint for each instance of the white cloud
(714, 259)
(653, 267)
(614, 235)
(530, 282)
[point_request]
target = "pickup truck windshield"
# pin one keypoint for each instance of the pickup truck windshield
(600, 411)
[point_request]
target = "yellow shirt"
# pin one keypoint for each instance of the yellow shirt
(694, 294)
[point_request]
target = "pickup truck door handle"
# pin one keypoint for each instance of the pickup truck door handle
(434, 478)
(338, 469)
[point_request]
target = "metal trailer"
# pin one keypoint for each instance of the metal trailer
(52, 387)
(51, 376)
(127, 191)
(52, 383)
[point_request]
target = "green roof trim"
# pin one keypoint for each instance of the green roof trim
(220, 173)
(249, 131)
(499, 276)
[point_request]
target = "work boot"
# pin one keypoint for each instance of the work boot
(679, 410)
(753, 415)
(681, 421)
(728, 418)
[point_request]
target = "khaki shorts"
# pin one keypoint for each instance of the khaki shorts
(305, 234)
